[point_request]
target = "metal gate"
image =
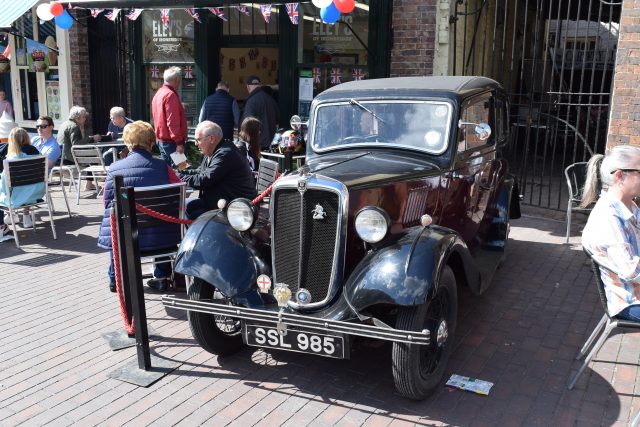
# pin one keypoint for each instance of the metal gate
(556, 60)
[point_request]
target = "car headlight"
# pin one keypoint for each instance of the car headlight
(240, 214)
(372, 224)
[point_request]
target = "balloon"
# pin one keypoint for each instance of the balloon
(329, 14)
(56, 9)
(321, 3)
(44, 12)
(345, 6)
(64, 21)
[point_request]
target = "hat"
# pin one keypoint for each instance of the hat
(253, 80)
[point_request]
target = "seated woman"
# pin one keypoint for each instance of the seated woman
(248, 142)
(19, 146)
(612, 233)
(141, 169)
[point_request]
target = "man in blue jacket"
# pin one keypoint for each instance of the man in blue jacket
(222, 109)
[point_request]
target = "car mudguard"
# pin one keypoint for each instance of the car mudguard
(404, 272)
(216, 253)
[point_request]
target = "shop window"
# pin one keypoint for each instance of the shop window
(251, 24)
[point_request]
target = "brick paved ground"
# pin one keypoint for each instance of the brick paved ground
(522, 334)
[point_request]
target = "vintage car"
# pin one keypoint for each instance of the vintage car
(405, 196)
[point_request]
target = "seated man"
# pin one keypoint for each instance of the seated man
(115, 128)
(223, 173)
(612, 233)
(141, 169)
(45, 142)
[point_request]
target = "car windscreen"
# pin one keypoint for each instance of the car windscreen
(418, 125)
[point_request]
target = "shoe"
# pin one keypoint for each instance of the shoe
(112, 287)
(5, 233)
(159, 284)
(27, 222)
(88, 186)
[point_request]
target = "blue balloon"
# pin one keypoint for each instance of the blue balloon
(64, 21)
(329, 14)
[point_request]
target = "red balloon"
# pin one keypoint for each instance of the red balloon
(344, 6)
(56, 9)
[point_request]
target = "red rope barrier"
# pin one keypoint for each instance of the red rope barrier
(265, 193)
(129, 327)
(162, 216)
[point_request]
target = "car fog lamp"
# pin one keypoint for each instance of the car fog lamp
(372, 224)
(432, 138)
(426, 220)
(240, 214)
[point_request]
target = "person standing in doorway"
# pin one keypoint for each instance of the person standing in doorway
(169, 118)
(261, 105)
(222, 109)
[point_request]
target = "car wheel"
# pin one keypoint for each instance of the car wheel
(216, 334)
(418, 369)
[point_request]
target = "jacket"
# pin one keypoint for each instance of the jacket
(221, 108)
(70, 134)
(261, 105)
(169, 118)
(140, 169)
(223, 175)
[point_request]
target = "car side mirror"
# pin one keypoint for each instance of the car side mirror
(482, 130)
(297, 123)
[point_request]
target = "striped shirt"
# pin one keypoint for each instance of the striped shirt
(612, 235)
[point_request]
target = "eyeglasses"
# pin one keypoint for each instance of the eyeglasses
(42, 126)
(201, 138)
(625, 170)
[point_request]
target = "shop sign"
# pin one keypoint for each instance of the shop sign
(168, 43)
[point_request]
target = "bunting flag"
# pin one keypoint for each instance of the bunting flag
(155, 72)
(134, 14)
(357, 74)
(266, 12)
(242, 8)
(164, 16)
(69, 6)
(95, 12)
(195, 15)
(292, 11)
(188, 72)
(316, 74)
(218, 12)
(7, 52)
(335, 76)
(111, 16)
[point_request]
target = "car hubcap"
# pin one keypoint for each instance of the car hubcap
(443, 333)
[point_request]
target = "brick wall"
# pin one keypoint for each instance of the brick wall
(414, 30)
(624, 123)
(80, 73)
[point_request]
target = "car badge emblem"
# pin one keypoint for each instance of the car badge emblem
(264, 283)
(282, 293)
(303, 297)
(302, 185)
(318, 212)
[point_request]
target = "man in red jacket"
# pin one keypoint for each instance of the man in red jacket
(169, 119)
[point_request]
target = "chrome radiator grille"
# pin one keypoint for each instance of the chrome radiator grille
(304, 247)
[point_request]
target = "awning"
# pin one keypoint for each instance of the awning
(10, 10)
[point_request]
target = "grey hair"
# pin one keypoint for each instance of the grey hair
(210, 129)
(171, 74)
(117, 112)
(600, 170)
(76, 112)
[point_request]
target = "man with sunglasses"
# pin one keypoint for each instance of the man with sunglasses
(45, 142)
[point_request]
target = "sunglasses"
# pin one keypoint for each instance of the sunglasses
(42, 126)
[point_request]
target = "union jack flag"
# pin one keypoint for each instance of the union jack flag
(164, 16)
(357, 74)
(188, 72)
(242, 8)
(266, 12)
(96, 12)
(316, 75)
(134, 14)
(292, 11)
(218, 12)
(195, 15)
(155, 72)
(111, 16)
(336, 75)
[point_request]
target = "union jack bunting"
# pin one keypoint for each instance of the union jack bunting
(242, 8)
(7, 52)
(195, 15)
(134, 14)
(316, 74)
(164, 16)
(111, 16)
(357, 74)
(155, 72)
(188, 72)
(218, 12)
(336, 76)
(96, 12)
(292, 11)
(69, 6)
(266, 12)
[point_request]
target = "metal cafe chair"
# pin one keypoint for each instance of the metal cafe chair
(267, 172)
(603, 328)
(23, 172)
(90, 164)
(60, 169)
(575, 175)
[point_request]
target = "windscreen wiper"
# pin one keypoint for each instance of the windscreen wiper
(354, 102)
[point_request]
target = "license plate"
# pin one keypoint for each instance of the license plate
(295, 340)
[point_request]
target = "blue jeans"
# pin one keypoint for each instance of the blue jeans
(166, 150)
(159, 270)
(630, 313)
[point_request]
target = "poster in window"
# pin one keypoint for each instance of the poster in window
(53, 99)
(37, 56)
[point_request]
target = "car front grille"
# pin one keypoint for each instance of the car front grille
(305, 248)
